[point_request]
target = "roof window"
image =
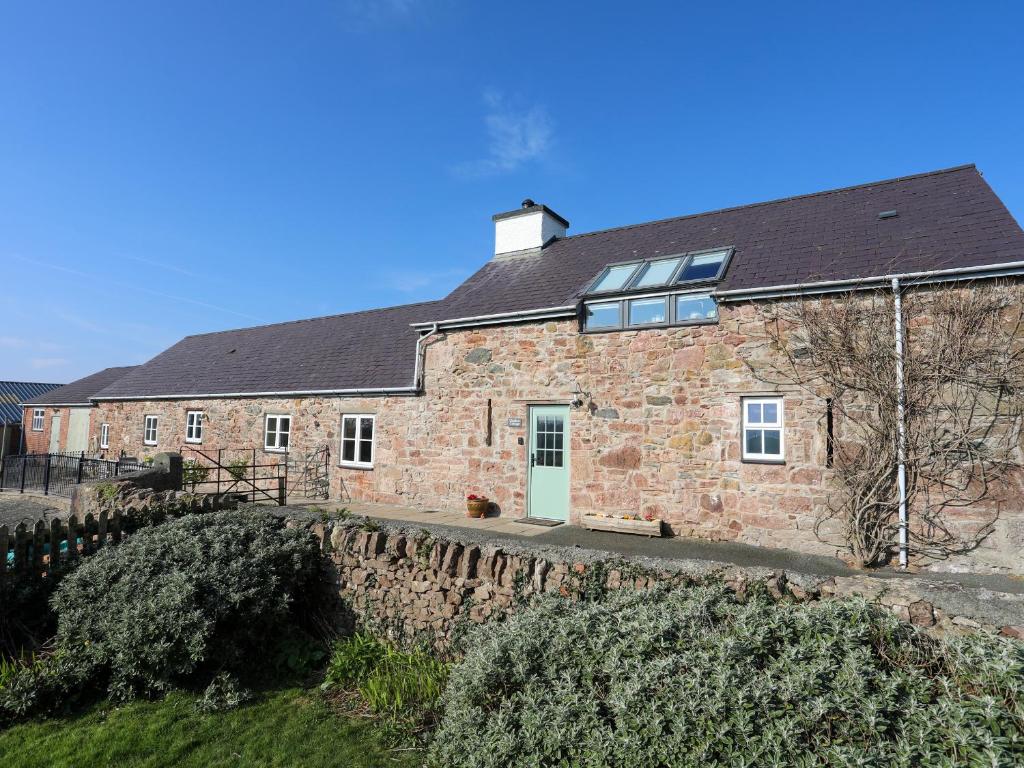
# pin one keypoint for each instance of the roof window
(614, 278)
(693, 267)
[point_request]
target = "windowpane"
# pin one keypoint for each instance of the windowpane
(753, 413)
(703, 267)
(348, 428)
(772, 442)
(656, 272)
(271, 425)
(365, 451)
(753, 441)
(366, 429)
(695, 308)
(614, 278)
(282, 440)
(602, 315)
(770, 413)
(348, 450)
(646, 311)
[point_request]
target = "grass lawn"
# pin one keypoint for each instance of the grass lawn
(288, 727)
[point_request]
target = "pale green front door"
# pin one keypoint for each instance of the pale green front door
(548, 468)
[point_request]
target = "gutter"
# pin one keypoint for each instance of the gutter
(415, 389)
(501, 317)
(864, 283)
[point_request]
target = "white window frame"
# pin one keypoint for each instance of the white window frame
(155, 419)
(194, 431)
(276, 446)
(38, 419)
(359, 418)
(104, 435)
(779, 424)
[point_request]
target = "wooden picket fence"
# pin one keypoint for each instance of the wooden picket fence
(45, 549)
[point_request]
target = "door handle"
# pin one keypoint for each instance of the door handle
(533, 459)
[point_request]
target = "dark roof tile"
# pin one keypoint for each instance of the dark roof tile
(80, 391)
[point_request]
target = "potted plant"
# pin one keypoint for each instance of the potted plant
(476, 506)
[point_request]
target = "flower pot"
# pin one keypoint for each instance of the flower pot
(476, 507)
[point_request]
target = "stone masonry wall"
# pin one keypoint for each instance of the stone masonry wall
(427, 584)
(658, 434)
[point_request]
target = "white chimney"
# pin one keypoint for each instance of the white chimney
(528, 228)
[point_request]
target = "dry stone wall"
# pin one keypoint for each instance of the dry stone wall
(431, 584)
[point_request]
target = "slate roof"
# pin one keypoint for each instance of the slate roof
(80, 391)
(14, 393)
(948, 218)
(358, 350)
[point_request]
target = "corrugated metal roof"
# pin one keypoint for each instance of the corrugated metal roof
(14, 393)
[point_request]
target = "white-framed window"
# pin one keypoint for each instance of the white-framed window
(149, 430)
(104, 435)
(276, 430)
(763, 429)
(194, 427)
(38, 415)
(357, 433)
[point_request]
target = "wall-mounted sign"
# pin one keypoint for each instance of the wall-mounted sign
(515, 423)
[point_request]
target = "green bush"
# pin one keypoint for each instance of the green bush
(401, 685)
(199, 594)
(238, 468)
(194, 472)
(697, 678)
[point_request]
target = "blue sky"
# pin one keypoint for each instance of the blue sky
(176, 168)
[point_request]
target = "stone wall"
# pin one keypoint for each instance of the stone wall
(146, 497)
(430, 584)
(658, 434)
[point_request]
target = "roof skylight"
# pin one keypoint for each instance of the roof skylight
(614, 278)
(693, 267)
(657, 272)
(705, 266)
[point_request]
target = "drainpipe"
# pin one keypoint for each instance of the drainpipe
(421, 355)
(901, 441)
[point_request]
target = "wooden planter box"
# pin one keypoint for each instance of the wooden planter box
(619, 525)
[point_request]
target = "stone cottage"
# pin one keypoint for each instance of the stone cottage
(573, 374)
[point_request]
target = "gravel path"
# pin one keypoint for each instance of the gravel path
(15, 508)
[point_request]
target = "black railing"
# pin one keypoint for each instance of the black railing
(58, 473)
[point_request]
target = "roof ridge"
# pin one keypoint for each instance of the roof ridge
(311, 319)
(789, 198)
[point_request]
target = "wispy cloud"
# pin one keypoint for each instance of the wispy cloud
(12, 342)
(383, 10)
(138, 288)
(414, 281)
(516, 134)
(40, 363)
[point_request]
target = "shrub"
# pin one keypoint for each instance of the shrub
(695, 677)
(238, 468)
(194, 472)
(198, 594)
(401, 685)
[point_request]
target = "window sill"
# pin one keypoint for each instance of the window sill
(274, 450)
(776, 462)
(650, 326)
(194, 442)
(352, 465)
(151, 445)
